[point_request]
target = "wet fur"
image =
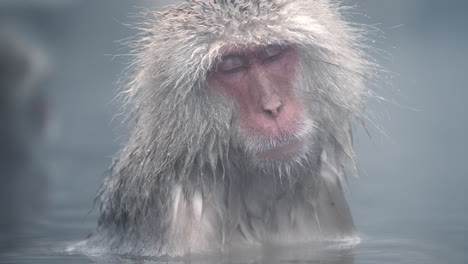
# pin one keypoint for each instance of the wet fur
(185, 182)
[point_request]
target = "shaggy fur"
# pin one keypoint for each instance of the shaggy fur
(185, 181)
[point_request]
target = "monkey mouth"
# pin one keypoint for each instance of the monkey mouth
(282, 151)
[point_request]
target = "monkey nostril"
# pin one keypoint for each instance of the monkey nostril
(269, 112)
(274, 109)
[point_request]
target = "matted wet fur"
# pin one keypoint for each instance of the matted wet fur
(185, 182)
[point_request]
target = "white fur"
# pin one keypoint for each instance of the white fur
(204, 192)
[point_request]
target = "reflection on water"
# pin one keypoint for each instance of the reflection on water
(297, 254)
(368, 251)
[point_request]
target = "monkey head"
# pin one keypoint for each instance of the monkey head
(271, 80)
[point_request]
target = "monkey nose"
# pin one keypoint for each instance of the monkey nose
(272, 106)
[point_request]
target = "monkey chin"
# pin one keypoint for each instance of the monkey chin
(283, 151)
(286, 147)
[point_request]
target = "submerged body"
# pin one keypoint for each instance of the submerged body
(243, 114)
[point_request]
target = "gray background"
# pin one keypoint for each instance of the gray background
(409, 201)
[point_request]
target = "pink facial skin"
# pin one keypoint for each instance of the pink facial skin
(260, 81)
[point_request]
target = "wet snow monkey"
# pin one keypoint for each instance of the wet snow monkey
(243, 114)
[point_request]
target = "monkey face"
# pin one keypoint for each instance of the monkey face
(270, 122)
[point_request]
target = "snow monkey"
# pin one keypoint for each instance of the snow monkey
(243, 113)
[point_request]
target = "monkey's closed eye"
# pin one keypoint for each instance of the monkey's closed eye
(271, 53)
(231, 64)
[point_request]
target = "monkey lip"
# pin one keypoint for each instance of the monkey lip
(283, 151)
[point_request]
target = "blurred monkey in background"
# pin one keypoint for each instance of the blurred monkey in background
(243, 114)
(24, 70)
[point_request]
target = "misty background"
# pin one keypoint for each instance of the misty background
(409, 202)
